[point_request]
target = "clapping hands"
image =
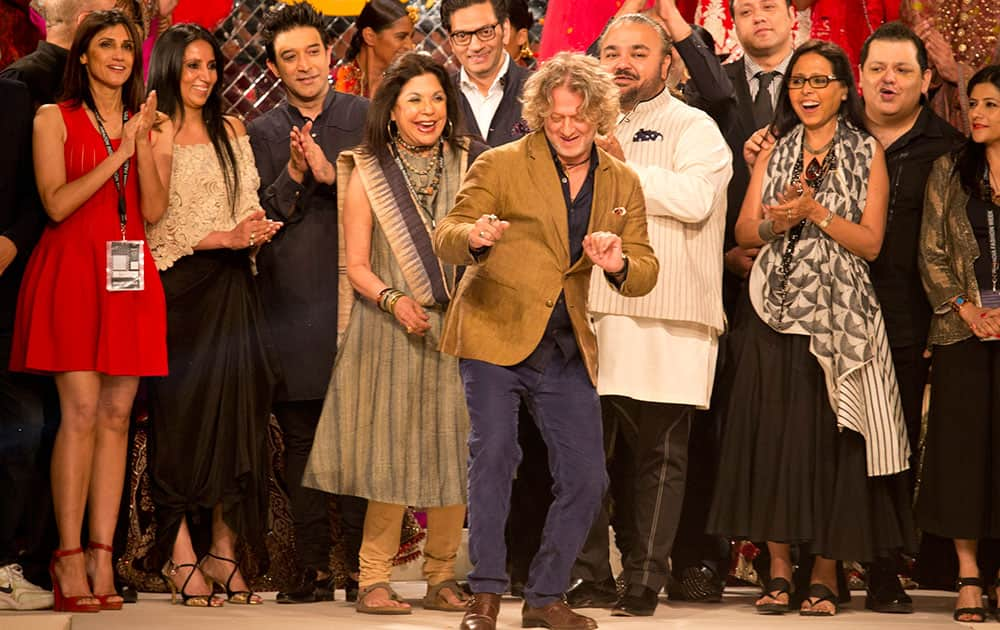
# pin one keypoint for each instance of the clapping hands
(306, 155)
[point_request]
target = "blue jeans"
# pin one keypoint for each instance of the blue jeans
(566, 408)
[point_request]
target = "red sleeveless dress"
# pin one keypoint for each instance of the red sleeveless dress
(66, 318)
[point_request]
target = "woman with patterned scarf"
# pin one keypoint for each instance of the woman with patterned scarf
(814, 437)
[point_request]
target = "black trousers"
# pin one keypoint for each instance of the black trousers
(692, 546)
(647, 449)
(310, 507)
(27, 429)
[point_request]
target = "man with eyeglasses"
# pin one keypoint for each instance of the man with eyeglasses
(490, 84)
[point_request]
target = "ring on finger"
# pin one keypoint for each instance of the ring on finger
(482, 234)
(252, 236)
(409, 329)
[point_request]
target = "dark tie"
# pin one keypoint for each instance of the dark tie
(762, 110)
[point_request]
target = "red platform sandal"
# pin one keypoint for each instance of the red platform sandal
(64, 603)
(112, 600)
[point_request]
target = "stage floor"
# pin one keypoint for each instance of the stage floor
(154, 612)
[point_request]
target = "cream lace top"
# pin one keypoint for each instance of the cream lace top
(198, 204)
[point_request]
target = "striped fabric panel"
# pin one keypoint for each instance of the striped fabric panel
(868, 402)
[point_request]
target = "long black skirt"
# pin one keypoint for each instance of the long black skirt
(959, 491)
(209, 416)
(787, 473)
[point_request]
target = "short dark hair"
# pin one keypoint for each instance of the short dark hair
(76, 81)
(970, 159)
(896, 32)
(450, 6)
(166, 64)
(520, 15)
(732, 3)
(851, 110)
(377, 15)
(285, 17)
(406, 67)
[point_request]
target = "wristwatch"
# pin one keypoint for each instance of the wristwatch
(958, 302)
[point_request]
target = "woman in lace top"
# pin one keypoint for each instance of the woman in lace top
(208, 454)
(814, 437)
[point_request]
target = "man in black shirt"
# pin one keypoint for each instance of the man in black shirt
(894, 77)
(22, 417)
(298, 271)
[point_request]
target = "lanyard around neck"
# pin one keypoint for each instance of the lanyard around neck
(120, 176)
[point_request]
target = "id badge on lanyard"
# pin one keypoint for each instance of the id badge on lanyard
(125, 260)
(991, 298)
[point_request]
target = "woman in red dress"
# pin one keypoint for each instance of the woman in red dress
(91, 309)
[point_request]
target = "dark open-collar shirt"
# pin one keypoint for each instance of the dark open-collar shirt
(559, 332)
(298, 277)
(894, 274)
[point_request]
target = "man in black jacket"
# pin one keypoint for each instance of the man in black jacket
(22, 416)
(298, 271)
(894, 78)
(42, 70)
(489, 81)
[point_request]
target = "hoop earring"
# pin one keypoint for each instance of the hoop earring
(389, 128)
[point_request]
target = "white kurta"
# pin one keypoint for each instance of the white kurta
(656, 360)
(662, 347)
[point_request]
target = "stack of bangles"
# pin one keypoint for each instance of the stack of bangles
(387, 299)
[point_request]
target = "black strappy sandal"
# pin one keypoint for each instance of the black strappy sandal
(247, 598)
(974, 611)
(819, 593)
(775, 587)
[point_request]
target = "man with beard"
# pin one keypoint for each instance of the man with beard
(295, 146)
(657, 353)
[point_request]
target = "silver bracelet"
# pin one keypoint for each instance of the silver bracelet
(765, 230)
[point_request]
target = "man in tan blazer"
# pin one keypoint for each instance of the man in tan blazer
(531, 221)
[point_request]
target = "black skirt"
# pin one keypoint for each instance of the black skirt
(787, 472)
(959, 490)
(209, 416)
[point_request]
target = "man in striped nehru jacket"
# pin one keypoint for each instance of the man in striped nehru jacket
(657, 353)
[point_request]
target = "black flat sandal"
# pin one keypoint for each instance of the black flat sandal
(819, 593)
(974, 611)
(775, 587)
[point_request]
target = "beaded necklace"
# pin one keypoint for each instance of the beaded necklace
(421, 191)
(815, 173)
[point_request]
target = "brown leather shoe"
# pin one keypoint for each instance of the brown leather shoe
(482, 613)
(555, 616)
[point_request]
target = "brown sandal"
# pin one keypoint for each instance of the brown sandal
(435, 599)
(361, 607)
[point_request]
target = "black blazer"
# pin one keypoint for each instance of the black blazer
(735, 118)
(507, 124)
(21, 215)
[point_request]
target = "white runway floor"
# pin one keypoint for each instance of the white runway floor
(154, 612)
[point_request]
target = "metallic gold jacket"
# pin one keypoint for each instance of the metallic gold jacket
(947, 252)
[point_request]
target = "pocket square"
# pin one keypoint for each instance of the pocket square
(647, 135)
(620, 211)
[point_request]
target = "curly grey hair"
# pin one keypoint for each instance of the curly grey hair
(580, 74)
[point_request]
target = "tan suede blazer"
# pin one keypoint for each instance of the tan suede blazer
(504, 301)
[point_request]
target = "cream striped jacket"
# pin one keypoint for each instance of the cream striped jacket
(684, 165)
